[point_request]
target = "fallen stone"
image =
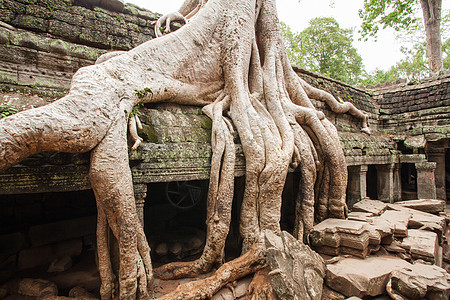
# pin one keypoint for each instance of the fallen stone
(423, 220)
(242, 286)
(162, 249)
(432, 206)
(421, 244)
(399, 221)
(62, 231)
(419, 281)
(362, 277)
(224, 294)
(297, 272)
(60, 264)
(395, 247)
(359, 216)
(39, 288)
(39, 256)
(337, 236)
(79, 292)
(374, 207)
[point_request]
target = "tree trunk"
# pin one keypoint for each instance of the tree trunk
(432, 20)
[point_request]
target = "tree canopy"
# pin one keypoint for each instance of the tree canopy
(326, 48)
(401, 15)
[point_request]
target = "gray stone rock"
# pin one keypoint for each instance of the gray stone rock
(242, 286)
(423, 220)
(297, 272)
(432, 206)
(419, 281)
(375, 207)
(421, 244)
(337, 236)
(39, 256)
(62, 231)
(362, 277)
(399, 221)
(60, 264)
(224, 294)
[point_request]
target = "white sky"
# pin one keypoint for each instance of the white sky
(382, 54)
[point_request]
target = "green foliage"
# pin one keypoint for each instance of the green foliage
(326, 48)
(414, 65)
(7, 109)
(135, 111)
(396, 14)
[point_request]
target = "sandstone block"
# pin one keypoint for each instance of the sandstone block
(432, 206)
(419, 281)
(362, 277)
(62, 231)
(337, 236)
(423, 220)
(39, 256)
(399, 221)
(421, 244)
(375, 207)
(297, 272)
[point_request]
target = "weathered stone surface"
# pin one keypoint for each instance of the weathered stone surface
(399, 221)
(79, 292)
(337, 236)
(423, 220)
(362, 277)
(395, 247)
(61, 231)
(60, 264)
(297, 272)
(432, 206)
(38, 288)
(374, 207)
(419, 281)
(421, 244)
(39, 256)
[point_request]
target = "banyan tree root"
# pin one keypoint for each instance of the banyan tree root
(230, 59)
(246, 264)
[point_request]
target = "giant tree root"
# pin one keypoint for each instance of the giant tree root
(242, 266)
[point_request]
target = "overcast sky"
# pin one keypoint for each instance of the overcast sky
(381, 54)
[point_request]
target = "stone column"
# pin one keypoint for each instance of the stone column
(140, 192)
(397, 182)
(357, 187)
(426, 187)
(438, 156)
(385, 182)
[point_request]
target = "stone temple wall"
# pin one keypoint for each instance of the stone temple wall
(418, 109)
(44, 42)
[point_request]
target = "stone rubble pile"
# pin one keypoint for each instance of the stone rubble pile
(406, 240)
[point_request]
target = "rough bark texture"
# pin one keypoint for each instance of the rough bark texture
(229, 58)
(432, 19)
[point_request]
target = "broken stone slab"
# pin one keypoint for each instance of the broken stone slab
(395, 247)
(39, 288)
(79, 292)
(362, 277)
(432, 206)
(419, 281)
(423, 220)
(375, 207)
(297, 272)
(399, 221)
(421, 244)
(338, 236)
(359, 216)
